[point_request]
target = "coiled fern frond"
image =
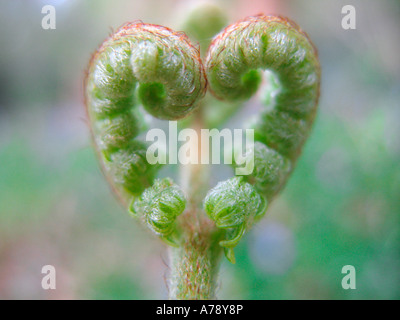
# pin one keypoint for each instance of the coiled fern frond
(236, 63)
(147, 70)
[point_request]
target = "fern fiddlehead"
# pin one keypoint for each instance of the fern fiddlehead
(159, 206)
(161, 70)
(235, 64)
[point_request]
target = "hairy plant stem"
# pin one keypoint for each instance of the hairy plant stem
(194, 264)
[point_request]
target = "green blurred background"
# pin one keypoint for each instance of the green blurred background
(340, 207)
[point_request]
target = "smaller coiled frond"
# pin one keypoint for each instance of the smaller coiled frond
(159, 206)
(234, 205)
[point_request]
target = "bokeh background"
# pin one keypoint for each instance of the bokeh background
(340, 207)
